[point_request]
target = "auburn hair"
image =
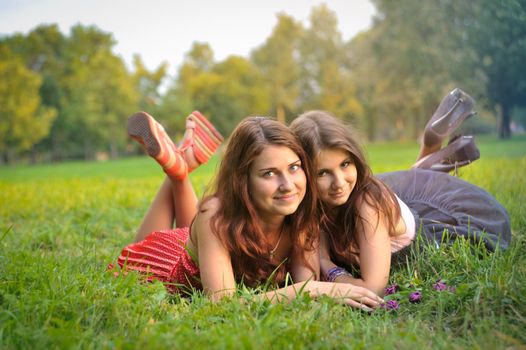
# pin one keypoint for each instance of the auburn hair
(237, 223)
(319, 130)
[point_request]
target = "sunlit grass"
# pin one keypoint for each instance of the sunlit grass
(60, 226)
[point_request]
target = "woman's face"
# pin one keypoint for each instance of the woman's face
(336, 176)
(277, 183)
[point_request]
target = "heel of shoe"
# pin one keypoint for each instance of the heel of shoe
(143, 128)
(459, 152)
(140, 128)
(205, 139)
(453, 110)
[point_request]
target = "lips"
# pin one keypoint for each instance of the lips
(338, 195)
(286, 197)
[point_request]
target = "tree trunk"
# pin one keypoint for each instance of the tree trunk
(504, 122)
(33, 156)
(88, 154)
(56, 151)
(114, 153)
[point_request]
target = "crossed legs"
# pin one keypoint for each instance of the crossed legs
(454, 108)
(175, 201)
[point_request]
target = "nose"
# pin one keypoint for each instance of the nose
(286, 183)
(338, 180)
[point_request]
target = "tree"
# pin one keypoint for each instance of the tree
(23, 120)
(41, 51)
(413, 45)
(497, 31)
(225, 92)
(325, 77)
(148, 84)
(423, 49)
(232, 90)
(277, 59)
(100, 93)
(178, 101)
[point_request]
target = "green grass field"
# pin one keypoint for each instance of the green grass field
(60, 226)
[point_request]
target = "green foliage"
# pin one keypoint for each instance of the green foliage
(60, 226)
(99, 91)
(422, 49)
(226, 91)
(277, 60)
(388, 80)
(76, 78)
(148, 84)
(23, 119)
(497, 31)
(325, 76)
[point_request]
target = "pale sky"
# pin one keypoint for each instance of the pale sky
(164, 30)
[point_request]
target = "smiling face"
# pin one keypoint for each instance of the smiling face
(336, 176)
(277, 183)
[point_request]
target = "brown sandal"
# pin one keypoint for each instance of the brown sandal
(460, 151)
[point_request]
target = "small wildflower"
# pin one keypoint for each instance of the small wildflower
(415, 297)
(390, 305)
(440, 286)
(110, 266)
(393, 288)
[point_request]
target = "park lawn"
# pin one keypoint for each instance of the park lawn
(61, 225)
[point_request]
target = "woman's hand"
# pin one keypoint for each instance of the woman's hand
(355, 296)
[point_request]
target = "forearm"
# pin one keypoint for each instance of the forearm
(287, 293)
(376, 286)
(313, 288)
(351, 295)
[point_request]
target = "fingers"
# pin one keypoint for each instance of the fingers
(365, 296)
(368, 301)
(358, 305)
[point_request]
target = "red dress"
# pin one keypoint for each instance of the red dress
(162, 255)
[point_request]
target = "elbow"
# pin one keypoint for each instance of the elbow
(377, 287)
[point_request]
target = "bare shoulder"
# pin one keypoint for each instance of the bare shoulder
(209, 207)
(202, 224)
(367, 205)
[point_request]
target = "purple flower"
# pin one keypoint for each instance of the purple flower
(393, 288)
(390, 305)
(453, 289)
(415, 297)
(440, 286)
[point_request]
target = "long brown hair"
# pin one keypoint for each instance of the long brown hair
(319, 130)
(237, 224)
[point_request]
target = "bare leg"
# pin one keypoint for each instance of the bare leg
(427, 150)
(175, 200)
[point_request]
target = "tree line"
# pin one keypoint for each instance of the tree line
(68, 96)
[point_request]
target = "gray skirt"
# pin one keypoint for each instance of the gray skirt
(443, 203)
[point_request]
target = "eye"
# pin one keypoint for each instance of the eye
(294, 167)
(322, 173)
(269, 173)
(346, 164)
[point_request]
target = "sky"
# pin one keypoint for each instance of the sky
(164, 30)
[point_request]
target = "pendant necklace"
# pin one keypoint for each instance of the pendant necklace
(271, 253)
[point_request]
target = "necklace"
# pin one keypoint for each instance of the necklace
(271, 253)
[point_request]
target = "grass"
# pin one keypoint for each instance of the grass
(60, 226)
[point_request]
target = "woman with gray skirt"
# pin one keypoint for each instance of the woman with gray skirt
(368, 221)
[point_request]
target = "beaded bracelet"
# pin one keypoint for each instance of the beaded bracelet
(333, 273)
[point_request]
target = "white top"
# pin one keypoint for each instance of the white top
(405, 239)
